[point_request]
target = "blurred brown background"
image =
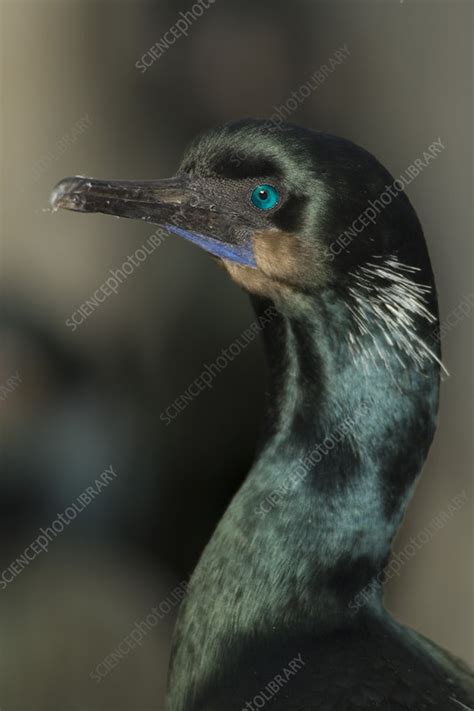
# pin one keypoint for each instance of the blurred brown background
(93, 397)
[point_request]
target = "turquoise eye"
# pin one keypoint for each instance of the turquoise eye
(265, 197)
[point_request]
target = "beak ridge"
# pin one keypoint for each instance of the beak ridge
(173, 203)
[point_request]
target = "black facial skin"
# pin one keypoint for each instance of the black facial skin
(346, 342)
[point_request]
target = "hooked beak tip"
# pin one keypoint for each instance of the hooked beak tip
(65, 194)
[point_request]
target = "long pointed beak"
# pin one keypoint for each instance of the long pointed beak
(173, 203)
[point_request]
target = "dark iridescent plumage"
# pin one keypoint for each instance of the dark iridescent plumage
(352, 406)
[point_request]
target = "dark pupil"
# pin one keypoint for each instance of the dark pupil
(263, 194)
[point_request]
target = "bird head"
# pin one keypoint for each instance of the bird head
(287, 210)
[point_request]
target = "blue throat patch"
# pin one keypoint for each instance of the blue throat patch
(240, 253)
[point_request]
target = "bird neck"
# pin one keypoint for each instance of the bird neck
(346, 434)
(310, 529)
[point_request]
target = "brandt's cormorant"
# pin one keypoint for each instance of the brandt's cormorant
(285, 608)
